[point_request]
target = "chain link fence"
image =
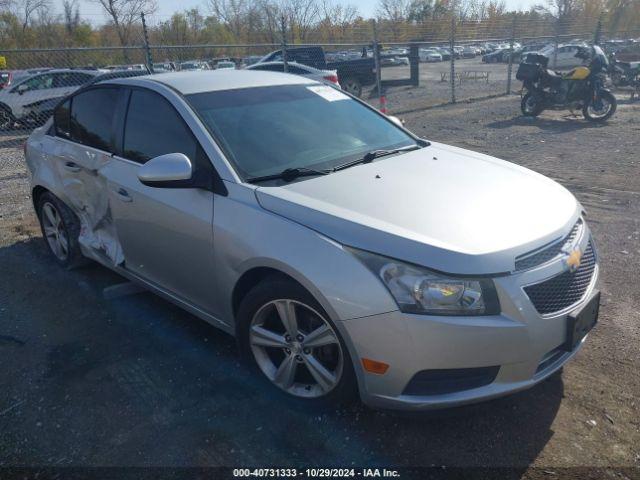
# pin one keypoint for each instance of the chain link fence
(397, 70)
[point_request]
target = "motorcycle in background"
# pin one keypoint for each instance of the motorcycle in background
(625, 74)
(581, 88)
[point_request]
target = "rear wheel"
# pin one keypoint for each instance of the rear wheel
(600, 110)
(353, 86)
(531, 105)
(286, 335)
(60, 230)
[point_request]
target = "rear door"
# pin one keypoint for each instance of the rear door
(166, 233)
(82, 147)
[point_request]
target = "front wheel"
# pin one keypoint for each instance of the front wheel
(601, 109)
(7, 120)
(531, 105)
(284, 332)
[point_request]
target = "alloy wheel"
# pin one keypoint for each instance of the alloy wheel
(296, 348)
(353, 87)
(55, 231)
(601, 110)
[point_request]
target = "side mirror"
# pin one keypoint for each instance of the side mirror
(172, 170)
(22, 88)
(396, 120)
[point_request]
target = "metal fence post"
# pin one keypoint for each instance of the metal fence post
(512, 40)
(453, 60)
(556, 43)
(283, 31)
(377, 64)
(598, 32)
(146, 43)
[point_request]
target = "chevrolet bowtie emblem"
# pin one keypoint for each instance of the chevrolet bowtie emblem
(573, 260)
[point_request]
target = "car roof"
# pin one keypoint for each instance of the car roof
(215, 80)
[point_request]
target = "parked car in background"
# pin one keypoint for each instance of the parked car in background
(353, 74)
(494, 57)
(565, 55)
(468, 52)
(429, 55)
(16, 100)
(135, 66)
(194, 65)
(9, 77)
(249, 199)
(225, 64)
(164, 67)
(325, 76)
(39, 112)
(444, 52)
(5, 78)
(250, 60)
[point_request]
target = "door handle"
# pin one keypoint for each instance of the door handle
(72, 167)
(123, 195)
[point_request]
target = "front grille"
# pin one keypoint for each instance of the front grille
(550, 251)
(566, 289)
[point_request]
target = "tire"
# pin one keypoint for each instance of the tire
(353, 86)
(607, 97)
(531, 105)
(7, 120)
(260, 311)
(53, 214)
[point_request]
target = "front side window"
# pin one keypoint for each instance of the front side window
(265, 130)
(92, 115)
(39, 82)
(154, 128)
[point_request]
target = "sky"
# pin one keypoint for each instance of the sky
(92, 11)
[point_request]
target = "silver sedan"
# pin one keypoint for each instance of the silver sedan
(349, 256)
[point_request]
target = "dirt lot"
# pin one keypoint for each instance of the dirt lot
(136, 381)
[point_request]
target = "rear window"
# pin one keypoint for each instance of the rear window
(92, 115)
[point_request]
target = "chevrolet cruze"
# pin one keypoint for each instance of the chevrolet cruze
(347, 255)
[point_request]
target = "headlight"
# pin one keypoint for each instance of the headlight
(418, 290)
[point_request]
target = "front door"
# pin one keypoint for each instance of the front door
(166, 234)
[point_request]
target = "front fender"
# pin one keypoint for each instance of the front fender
(246, 236)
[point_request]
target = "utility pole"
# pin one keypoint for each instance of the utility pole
(146, 43)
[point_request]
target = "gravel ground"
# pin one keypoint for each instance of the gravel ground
(136, 381)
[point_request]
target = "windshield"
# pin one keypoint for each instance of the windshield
(265, 130)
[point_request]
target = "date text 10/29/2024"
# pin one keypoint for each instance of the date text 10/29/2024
(315, 473)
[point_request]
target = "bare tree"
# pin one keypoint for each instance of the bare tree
(124, 14)
(302, 16)
(71, 15)
(231, 13)
(393, 10)
(27, 9)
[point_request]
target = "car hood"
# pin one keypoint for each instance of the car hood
(442, 207)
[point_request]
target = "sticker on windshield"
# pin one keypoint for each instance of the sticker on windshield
(328, 93)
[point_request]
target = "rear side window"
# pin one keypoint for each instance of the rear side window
(92, 115)
(62, 119)
(154, 128)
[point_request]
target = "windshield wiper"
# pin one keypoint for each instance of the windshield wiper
(372, 155)
(289, 174)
